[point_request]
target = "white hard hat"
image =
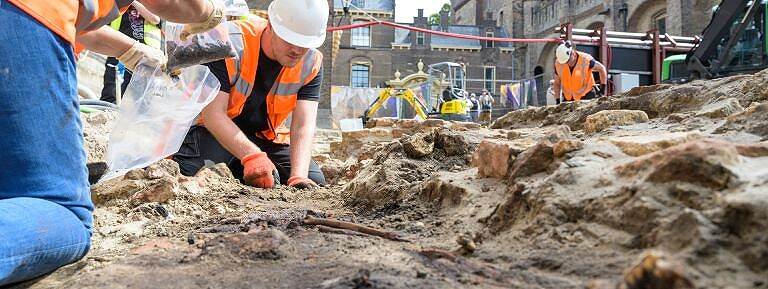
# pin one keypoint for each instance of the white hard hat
(300, 22)
(564, 51)
(236, 8)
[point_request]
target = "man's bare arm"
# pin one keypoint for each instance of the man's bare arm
(600, 69)
(106, 41)
(302, 136)
(225, 130)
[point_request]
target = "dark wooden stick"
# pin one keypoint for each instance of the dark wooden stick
(309, 220)
(438, 253)
(325, 229)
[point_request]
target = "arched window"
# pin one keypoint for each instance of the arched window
(360, 74)
(660, 21)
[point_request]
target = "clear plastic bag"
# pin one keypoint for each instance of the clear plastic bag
(198, 48)
(155, 115)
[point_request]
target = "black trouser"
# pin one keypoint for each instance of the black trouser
(200, 145)
(590, 95)
(109, 92)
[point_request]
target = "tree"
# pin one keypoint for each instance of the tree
(434, 19)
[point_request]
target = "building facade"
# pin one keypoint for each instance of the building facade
(369, 57)
(540, 18)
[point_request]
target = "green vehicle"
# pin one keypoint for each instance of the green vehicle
(674, 69)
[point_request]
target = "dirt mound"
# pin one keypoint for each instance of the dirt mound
(656, 101)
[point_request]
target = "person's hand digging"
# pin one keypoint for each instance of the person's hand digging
(216, 17)
(257, 170)
(302, 183)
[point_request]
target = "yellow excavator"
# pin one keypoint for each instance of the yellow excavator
(448, 102)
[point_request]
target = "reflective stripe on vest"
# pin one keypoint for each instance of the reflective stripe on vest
(69, 17)
(578, 83)
(152, 33)
(281, 99)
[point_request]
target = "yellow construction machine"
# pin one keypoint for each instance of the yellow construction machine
(448, 101)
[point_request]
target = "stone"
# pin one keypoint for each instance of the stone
(565, 146)
(533, 160)
(746, 215)
(106, 191)
(557, 133)
(353, 141)
(451, 142)
(255, 245)
(434, 122)
(407, 123)
(135, 174)
(721, 108)
(444, 193)
(644, 144)
(382, 122)
(218, 171)
(493, 158)
(656, 270)
(608, 118)
(460, 125)
(164, 167)
(418, 145)
(752, 120)
(513, 134)
(754, 150)
(160, 191)
(677, 117)
(701, 162)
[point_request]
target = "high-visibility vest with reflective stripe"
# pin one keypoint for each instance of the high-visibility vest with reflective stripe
(67, 18)
(152, 33)
(281, 99)
(576, 84)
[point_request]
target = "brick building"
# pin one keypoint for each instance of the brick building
(539, 18)
(369, 57)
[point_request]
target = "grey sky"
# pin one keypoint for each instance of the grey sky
(405, 10)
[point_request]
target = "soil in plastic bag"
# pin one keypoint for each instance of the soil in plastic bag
(199, 49)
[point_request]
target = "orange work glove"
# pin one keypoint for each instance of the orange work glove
(302, 183)
(257, 170)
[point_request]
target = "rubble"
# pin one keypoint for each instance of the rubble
(660, 187)
(608, 118)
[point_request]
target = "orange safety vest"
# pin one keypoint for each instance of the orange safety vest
(67, 18)
(578, 83)
(281, 99)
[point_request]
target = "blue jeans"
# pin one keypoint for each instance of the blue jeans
(45, 203)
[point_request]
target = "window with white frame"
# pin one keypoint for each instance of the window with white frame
(361, 36)
(419, 38)
(490, 78)
(358, 3)
(360, 76)
(489, 44)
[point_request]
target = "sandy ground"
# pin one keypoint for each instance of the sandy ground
(660, 187)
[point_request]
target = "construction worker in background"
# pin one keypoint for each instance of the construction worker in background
(236, 10)
(141, 25)
(473, 111)
(278, 74)
(486, 106)
(45, 203)
(573, 74)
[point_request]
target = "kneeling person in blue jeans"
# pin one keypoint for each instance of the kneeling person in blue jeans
(45, 203)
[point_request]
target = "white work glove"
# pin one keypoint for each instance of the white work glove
(144, 54)
(214, 19)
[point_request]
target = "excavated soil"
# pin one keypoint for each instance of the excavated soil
(661, 187)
